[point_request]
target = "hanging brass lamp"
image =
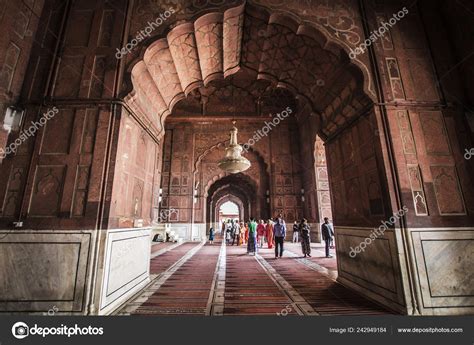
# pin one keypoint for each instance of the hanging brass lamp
(234, 162)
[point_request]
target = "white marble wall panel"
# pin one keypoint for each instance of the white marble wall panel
(126, 266)
(374, 272)
(44, 270)
(445, 269)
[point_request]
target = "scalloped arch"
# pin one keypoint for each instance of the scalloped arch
(217, 45)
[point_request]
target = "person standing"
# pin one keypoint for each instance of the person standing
(328, 233)
(261, 233)
(252, 242)
(269, 231)
(211, 235)
(279, 231)
(227, 236)
(296, 231)
(305, 232)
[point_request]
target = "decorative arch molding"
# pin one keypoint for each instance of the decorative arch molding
(231, 198)
(220, 44)
(240, 186)
(228, 188)
(242, 177)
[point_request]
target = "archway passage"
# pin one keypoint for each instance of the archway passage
(227, 211)
(248, 65)
(238, 189)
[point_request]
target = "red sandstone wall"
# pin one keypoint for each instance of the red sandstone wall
(136, 177)
(56, 179)
(428, 133)
(357, 178)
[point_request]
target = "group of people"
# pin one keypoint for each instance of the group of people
(271, 232)
(252, 234)
(303, 229)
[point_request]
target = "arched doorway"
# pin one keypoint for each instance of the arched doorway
(227, 211)
(238, 189)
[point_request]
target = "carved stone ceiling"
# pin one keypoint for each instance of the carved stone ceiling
(247, 55)
(235, 96)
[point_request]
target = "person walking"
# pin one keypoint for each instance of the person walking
(261, 233)
(211, 235)
(227, 236)
(252, 242)
(305, 232)
(269, 231)
(328, 233)
(279, 231)
(236, 237)
(296, 231)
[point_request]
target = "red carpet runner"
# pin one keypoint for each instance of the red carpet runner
(162, 262)
(248, 288)
(325, 295)
(186, 292)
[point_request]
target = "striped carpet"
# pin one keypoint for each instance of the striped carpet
(248, 288)
(187, 291)
(326, 296)
(162, 262)
(156, 247)
(252, 286)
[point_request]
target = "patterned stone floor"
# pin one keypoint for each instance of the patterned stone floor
(202, 279)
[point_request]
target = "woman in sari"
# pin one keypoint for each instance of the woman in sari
(269, 231)
(305, 237)
(252, 243)
(242, 233)
(246, 233)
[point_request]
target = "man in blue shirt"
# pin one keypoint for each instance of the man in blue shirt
(279, 232)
